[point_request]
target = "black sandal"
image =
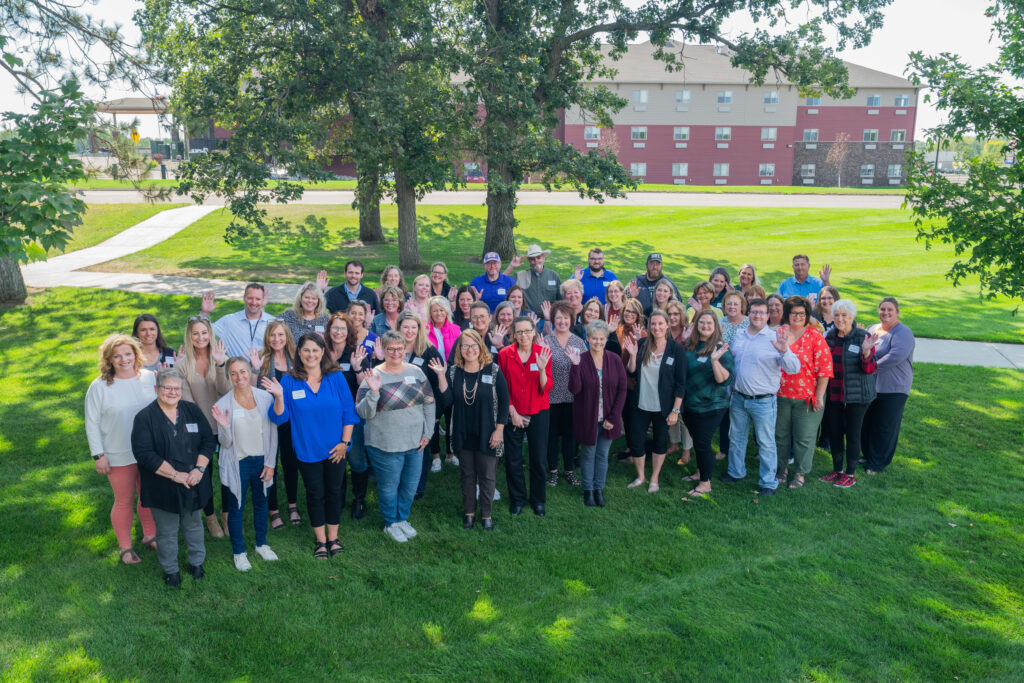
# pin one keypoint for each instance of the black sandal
(335, 547)
(275, 520)
(321, 551)
(294, 516)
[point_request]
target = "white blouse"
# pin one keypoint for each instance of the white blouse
(110, 411)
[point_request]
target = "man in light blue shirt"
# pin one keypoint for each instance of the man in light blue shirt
(760, 355)
(244, 329)
(802, 283)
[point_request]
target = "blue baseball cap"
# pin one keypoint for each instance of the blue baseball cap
(492, 256)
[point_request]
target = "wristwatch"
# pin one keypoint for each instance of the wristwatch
(201, 468)
(347, 443)
(97, 457)
(676, 411)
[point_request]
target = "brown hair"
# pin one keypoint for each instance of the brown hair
(106, 363)
(350, 338)
(593, 301)
(796, 301)
(645, 353)
(327, 364)
(739, 295)
(485, 353)
(565, 308)
(268, 353)
(716, 336)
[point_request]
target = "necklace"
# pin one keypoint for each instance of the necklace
(470, 396)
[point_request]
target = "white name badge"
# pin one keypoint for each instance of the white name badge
(670, 361)
(702, 359)
(346, 366)
(533, 367)
(854, 348)
(606, 283)
(493, 350)
(410, 380)
(319, 328)
(501, 290)
(487, 379)
(417, 361)
(192, 428)
(170, 362)
(551, 283)
(298, 393)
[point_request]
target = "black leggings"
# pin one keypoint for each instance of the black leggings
(638, 432)
(881, 430)
(845, 423)
(560, 433)
(324, 481)
(290, 464)
(702, 426)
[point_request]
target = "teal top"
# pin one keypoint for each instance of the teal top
(703, 393)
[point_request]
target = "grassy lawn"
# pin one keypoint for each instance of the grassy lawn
(108, 184)
(103, 221)
(914, 575)
(873, 252)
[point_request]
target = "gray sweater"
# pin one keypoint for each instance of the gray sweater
(401, 413)
(895, 357)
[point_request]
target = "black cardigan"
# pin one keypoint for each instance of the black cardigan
(671, 375)
(155, 440)
(483, 416)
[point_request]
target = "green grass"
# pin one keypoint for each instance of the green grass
(103, 221)
(913, 575)
(873, 252)
(109, 184)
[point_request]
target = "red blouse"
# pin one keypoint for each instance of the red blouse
(815, 361)
(523, 380)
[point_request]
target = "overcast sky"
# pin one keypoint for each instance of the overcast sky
(931, 26)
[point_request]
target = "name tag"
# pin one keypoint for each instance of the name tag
(501, 290)
(533, 367)
(298, 393)
(551, 283)
(319, 328)
(346, 366)
(417, 361)
(493, 350)
(170, 361)
(670, 361)
(191, 428)
(410, 380)
(702, 359)
(487, 379)
(854, 348)
(606, 283)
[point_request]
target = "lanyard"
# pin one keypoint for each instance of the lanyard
(252, 329)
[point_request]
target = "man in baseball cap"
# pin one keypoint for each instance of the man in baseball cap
(539, 283)
(642, 286)
(492, 287)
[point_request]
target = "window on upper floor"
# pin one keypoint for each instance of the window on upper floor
(874, 100)
(813, 101)
(591, 133)
(681, 133)
(810, 134)
(725, 96)
(870, 135)
(898, 135)
(723, 134)
(902, 100)
(638, 133)
(769, 134)
(682, 96)
(639, 97)
(771, 97)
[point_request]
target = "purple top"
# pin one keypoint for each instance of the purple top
(895, 357)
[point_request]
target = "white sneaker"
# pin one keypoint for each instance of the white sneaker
(242, 563)
(406, 529)
(266, 553)
(395, 532)
(436, 465)
(497, 495)
(452, 460)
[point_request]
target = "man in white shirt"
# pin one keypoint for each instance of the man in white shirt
(242, 330)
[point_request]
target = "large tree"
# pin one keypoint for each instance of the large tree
(983, 218)
(525, 60)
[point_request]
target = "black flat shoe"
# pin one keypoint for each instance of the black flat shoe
(539, 510)
(468, 521)
(588, 499)
(598, 498)
(515, 510)
(358, 509)
(173, 580)
(487, 524)
(196, 570)
(767, 492)
(728, 478)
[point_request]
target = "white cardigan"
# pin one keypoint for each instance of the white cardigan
(110, 413)
(228, 459)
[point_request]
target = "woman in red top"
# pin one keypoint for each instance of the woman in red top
(527, 370)
(801, 399)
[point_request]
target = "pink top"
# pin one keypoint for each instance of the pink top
(449, 333)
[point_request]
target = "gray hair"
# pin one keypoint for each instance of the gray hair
(168, 373)
(571, 284)
(598, 327)
(845, 305)
(393, 336)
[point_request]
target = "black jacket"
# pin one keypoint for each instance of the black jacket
(337, 299)
(858, 386)
(155, 440)
(671, 375)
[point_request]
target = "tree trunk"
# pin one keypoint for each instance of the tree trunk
(408, 246)
(12, 285)
(368, 201)
(501, 219)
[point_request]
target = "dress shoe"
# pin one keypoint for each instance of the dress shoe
(487, 524)
(196, 570)
(588, 499)
(598, 498)
(468, 521)
(515, 509)
(539, 510)
(767, 492)
(173, 580)
(358, 509)
(729, 479)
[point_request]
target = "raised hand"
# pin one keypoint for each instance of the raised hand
(629, 345)
(497, 336)
(219, 353)
(781, 341)
(223, 417)
(869, 343)
(719, 351)
(272, 387)
(254, 358)
(577, 274)
(370, 315)
(453, 294)
(476, 292)
(378, 349)
(206, 308)
(545, 308)
(180, 353)
(437, 366)
(574, 356)
(613, 321)
(321, 280)
(358, 356)
(543, 357)
(516, 261)
(373, 381)
(533, 316)
(632, 290)
(825, 274)
(693, 303)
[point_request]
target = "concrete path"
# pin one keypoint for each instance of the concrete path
(535, 198)
(62, 271)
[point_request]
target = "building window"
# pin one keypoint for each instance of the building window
(638, 133)
(682, 96)
(902, 100)
(721, 170)
(810, 134)
(639, 97)
(766, 170)
(771, 97)
(874, 100)
(870, 135)
(725, 96)
(898, 135)
(591, 133)
(679, 170)
(638, 170)
(806, 170)
(723, 134)
(867, 170)
(813, 101)
(895, 171)
(769, 134)
(681, 133)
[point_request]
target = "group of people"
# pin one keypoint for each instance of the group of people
(351, 383)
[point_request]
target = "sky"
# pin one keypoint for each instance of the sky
(931, 26)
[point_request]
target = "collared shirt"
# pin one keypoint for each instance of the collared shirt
(815, 362)
(595, 286)
(790, 287)
(538, 288)
(240, 334)
(759, 364)
(494, 292)
(338, 298)
(523, 380)
(703, 392)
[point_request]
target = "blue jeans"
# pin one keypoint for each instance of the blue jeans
(356, 454)
(594, 463)
(762, 412)
(249, 470)
(397, 476)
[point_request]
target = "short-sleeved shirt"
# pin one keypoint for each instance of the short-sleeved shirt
(815, 362)
(561, 366)
(523, 380)
(494, 292)
(596, 286)
(790, 287)
(703, 392)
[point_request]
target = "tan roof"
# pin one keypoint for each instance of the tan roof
(707, 64)
(133, 105)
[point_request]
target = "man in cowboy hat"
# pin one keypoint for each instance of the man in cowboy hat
(539, 284)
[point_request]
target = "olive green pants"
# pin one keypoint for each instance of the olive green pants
(796, 431)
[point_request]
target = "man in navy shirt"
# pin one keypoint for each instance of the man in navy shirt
(492, 287)
(594, 278)
(338, 298)
(802, 283)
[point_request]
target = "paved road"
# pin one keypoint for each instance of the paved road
(534, 198)
(63, 271)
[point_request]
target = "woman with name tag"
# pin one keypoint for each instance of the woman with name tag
(248, 456)
(155, 351)
(560, 340)
(308, 314)
(398, 404)
(359, 313)
(658, 365)
(464, 299)
(633, 326)
(615, 299)
(895, 353)
(314, 397)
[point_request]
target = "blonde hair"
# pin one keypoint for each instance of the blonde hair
(736, 294)
(321, 305)
(420, 344)
(485, 353)
(268, 353)
(188, 363)
(757, 280)
(425, 278)
(442, 303)
(106, 363)
(570, 284)
(617, 285)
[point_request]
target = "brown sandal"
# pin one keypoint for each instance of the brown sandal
(798, 481)
(149, 542)
(129, 556)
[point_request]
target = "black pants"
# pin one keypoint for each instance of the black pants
(324, 481)
(537, 431)
(881, 430)
(723, 434)
(844, 424)
(638, 432)
(702, 426)
(477, 469)
(627, 421)
(290, 464)
(560, 434)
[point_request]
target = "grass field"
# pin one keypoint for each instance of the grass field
(103, 221)
(913, 575)
(873, 252)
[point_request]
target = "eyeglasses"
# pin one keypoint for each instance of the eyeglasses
(795, 314)
(169, 390)
(395, 349)
(521, 333)
(758, 312)
(438, 272)
(482, 316)
(468, 347)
